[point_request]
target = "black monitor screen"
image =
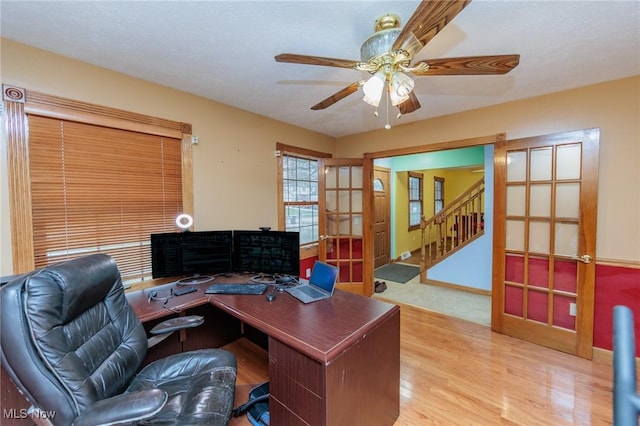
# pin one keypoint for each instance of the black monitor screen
(268, 252)
(191, 253)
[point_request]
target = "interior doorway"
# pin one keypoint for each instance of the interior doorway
(421, 156)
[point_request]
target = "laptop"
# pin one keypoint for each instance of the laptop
(320, 285)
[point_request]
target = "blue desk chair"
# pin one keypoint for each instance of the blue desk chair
(626, 401)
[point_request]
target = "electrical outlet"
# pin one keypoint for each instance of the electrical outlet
(572, 309)
(308, 272)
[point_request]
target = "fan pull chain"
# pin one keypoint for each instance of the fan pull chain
(387, 126)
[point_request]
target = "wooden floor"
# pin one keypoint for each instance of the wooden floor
(253, 369)
(455, 372)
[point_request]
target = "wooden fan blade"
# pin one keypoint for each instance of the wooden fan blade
(470, 65)
(315, 60)
(428, 19)
(352, 88)
(409, 105)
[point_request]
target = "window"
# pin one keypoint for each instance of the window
(378, 186)
(415, 199)
(93, 188)
(299, 192)
(92, 193)
(438, 194)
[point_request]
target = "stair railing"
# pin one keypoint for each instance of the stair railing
(458, 223)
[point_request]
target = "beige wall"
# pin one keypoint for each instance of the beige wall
(234, 165)
(614, 107)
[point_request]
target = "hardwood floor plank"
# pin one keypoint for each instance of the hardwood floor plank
(455, 372)
(253, 369)
(458, 372)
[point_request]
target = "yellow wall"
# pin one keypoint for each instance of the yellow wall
(456, 181)
(405, 240)
(613, 106)
(234, 167)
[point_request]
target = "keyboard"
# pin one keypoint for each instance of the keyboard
(310, 291)
(234, 288)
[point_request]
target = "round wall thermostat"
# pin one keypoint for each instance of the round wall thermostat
(184, 221)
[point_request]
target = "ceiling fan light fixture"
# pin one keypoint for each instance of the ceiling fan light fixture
(389, 52)
(387, 29)
(400, 87)
(397, 100)
(373, 89)
(402, 84)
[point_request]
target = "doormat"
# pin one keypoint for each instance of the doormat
(396, 272)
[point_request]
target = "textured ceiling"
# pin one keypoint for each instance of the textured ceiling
(223, 50)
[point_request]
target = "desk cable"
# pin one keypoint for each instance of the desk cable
(153, 297)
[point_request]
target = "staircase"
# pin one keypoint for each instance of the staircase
(456, 225)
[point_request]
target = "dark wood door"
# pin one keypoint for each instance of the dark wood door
(381, 216)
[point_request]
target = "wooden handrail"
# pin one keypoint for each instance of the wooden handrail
(459, 222)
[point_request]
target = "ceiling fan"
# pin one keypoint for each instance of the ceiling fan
(388, 55)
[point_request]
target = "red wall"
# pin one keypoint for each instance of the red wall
(615, 285)
(306, 264)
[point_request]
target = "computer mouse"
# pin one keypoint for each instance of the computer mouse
(271, 296)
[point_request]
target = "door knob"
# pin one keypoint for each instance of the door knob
(585, 258)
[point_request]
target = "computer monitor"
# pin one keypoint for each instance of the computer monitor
(267, 252)
(191, 253)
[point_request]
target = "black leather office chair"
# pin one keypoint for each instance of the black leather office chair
(72, 344)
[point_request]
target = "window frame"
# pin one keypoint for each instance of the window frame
(420, 200)
(282, 150)
(19, 103)
(436, 180)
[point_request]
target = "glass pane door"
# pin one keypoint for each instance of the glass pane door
(548, 241)
(542, 234)
(342, 224)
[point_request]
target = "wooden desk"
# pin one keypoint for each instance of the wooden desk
(334, 362)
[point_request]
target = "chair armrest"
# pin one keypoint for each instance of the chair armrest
(124, 408)
(164, 329)
(178, 323)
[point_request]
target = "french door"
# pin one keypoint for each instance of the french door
(342, 221)
(545, 239)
